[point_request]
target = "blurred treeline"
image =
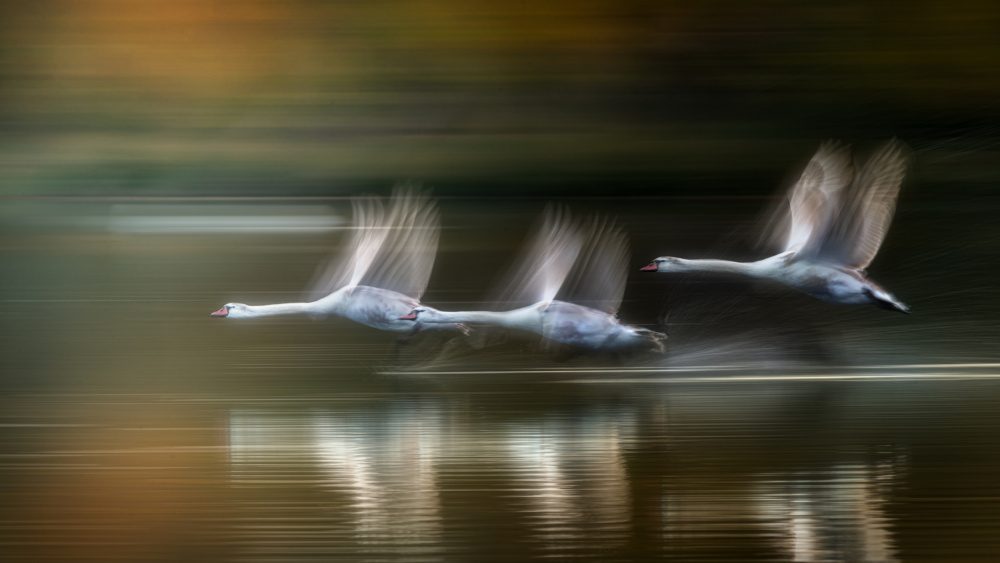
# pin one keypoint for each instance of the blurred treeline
(299, 97)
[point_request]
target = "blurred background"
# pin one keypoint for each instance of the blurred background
(160, 159)
(200, 97)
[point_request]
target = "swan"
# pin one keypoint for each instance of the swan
(587, 261)
(833, 226)
(381, 276)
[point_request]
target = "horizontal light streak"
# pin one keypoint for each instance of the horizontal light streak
(910, 376)
(837, 377)
(222, 224)
(558, 371)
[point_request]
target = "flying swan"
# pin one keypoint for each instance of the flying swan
(832, 228)
(584, 265)
(382, 273)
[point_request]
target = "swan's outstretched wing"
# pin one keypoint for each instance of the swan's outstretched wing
(346, 267)
(597, 279)
(546, 261)
(405, 258)
(813, 200)
(866, 209)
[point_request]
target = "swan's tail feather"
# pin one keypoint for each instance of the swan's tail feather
(892, 306)
(884, 300)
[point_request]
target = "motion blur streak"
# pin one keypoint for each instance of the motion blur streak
(268, 97)
(237, 219)
(809, 377)
(161, 158)
(696, 368)
(775, 427)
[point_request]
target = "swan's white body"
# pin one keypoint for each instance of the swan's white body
(589, 261)
(833, 228)
(569, 323)
(392, 255)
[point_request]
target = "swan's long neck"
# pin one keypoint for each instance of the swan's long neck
(526, 318)
(281, 309)
(332, 304)
(724, 266)
(502, 318)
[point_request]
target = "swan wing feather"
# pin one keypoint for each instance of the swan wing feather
(349, 264)
(546, 260)
(597, 279)
(866, 210)
(408, 240)
(812, 201)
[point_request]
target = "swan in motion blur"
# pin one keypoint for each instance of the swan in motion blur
(382, 273)
(832, 229)
(584, 263)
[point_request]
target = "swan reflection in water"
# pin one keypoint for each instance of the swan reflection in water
(574, 477)
(403, 477)
(374, 476)
(391, 478)
(380, 475)
(832, 514)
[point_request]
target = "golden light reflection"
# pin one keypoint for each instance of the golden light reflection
(833, 515)
(391, 475)
(379, 476)
(574, 479)
(382, 476)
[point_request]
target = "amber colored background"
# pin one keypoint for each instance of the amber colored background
(330, 98)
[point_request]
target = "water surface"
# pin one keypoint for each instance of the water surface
(135, 427)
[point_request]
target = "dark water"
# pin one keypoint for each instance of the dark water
(134, 427)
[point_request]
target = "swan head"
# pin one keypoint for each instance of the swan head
(233, 311)
(667, 264)
(425, 315)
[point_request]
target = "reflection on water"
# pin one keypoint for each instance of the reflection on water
(574, 479)
(389, 478)
(833, 514)
(838, 514)
(381, 472)
(134, 428)
(416, 479)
